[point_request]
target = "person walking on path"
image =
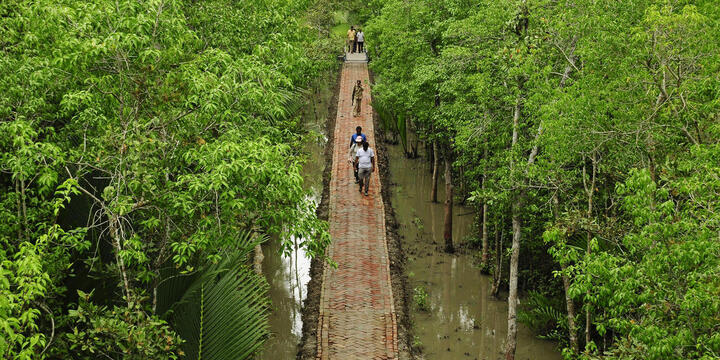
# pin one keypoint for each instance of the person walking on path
(357, 96)
(365, 163)
(356, 145)
(360, 35)
(355, 43)
(358, 132)
(351, 40)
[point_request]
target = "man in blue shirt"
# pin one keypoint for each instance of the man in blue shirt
(359, 133)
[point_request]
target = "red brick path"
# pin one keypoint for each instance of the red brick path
(357, 317)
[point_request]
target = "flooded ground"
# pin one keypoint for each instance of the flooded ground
(463, 321)
(288, 276)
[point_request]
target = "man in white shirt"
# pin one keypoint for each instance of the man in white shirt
(360, 35)
(365, 163)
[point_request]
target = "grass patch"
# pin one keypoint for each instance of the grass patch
(420, 297)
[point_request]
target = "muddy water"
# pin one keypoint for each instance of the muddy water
(288, 276)
(463, 321)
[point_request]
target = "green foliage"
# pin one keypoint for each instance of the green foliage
(25, 283)
(137, 137)
(417, 344)
(614, 147)
(663, 289)
(200, 302)
(420, 298)
(125, 332)
(22, 281)
(417, 221)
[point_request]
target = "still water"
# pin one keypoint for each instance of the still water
(288, 276)
(463, 322)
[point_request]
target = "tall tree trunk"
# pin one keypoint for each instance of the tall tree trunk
(589, 190)
(19, 210)
(511, 341)
(436, 163)
(484, 256)
(428, 154)
(417, 141)
(521, 30)
(436, 160)
(497, 274)
(448, 206)
(258, 259)
(297, 271)
(569, 303)
(461, 184)
(24, 209)
(114, 228)
(155, 286)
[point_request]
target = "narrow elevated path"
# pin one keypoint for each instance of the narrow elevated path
(357, 317)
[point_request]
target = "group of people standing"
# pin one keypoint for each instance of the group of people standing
(362, 158)
(355, 40)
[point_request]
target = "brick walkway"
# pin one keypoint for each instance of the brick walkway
(357, 317)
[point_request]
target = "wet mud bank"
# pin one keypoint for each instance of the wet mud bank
(396, 255)
(307, 349)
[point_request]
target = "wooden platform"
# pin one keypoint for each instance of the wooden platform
(356, 57)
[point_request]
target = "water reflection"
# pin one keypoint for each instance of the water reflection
(299, 263)
(466, 321)
(288, 277)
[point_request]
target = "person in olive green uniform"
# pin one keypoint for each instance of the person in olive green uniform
(357, 96)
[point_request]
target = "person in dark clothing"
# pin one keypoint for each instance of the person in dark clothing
(355, 43)
(358, 132)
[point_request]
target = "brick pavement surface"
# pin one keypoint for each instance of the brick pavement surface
(357, 317)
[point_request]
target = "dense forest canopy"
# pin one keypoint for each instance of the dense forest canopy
(144, 153)
(147, 148)
(590, 132)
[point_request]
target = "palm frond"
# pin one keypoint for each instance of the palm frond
(544, 315)
(223, 314)
(176, 286)
(221, 309)
(289, 104)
